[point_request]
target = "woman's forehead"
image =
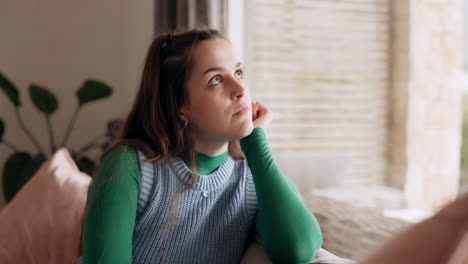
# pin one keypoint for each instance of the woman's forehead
(214, 53)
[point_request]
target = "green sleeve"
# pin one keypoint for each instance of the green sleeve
(111, 209)
(289, 231)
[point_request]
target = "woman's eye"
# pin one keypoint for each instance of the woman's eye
(215, 80)
(239, 74)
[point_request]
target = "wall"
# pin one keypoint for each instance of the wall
(58, 44)
(425, 127)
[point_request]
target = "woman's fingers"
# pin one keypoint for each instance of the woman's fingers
(254, 110)
(262, 116)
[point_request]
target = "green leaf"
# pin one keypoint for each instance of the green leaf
(86, 165)
(10, 90)
(113, 128)
(93, 90)
(18, 169)
(12, 173)
(2, 130)
(32, 166)
(43, 99)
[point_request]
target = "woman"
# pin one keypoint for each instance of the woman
(174, 187)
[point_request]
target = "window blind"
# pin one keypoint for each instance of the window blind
(321, 66)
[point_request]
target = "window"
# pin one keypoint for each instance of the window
(464, 155)
(465, 33)
(322, 67)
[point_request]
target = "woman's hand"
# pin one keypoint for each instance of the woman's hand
(261, 115)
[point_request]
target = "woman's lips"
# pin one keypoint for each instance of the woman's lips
(244, 109)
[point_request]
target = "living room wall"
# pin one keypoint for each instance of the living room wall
(59, 44)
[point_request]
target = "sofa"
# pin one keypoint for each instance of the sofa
(42, 224)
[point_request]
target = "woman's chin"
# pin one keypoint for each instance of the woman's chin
(244, 131)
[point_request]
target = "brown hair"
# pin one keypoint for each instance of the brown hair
(153, 124)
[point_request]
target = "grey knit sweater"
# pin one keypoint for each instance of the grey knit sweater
(214, 218)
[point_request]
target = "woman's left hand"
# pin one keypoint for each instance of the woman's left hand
(261, 115)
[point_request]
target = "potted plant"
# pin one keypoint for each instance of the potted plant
(21, 165)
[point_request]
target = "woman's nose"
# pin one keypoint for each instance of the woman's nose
(239, 89)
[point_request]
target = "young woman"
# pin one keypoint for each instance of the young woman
(174, 187)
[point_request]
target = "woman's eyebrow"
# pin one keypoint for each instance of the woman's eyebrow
(213, 69)
(220, 68)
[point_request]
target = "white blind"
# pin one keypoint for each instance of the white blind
(322, 67)
(465, 33)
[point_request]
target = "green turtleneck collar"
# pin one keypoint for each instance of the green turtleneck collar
(207, 164)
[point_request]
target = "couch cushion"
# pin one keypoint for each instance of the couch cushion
(349, 231)
(255, 254)
(42, 224)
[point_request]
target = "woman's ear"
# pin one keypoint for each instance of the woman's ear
(183, 113)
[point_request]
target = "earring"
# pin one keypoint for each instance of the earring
(185, 123)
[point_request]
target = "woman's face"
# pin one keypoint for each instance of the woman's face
(219, 105)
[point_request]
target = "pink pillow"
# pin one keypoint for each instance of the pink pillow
(42, 224)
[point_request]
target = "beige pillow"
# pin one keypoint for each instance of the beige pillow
(42, 224)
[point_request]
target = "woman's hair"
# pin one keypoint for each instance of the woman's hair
(153, 124)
